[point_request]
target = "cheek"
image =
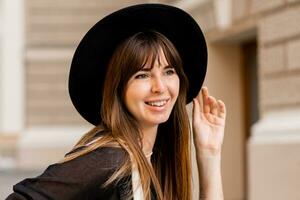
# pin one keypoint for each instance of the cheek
(129, 97)
(129, 101)
(175, 86)
(134, 94)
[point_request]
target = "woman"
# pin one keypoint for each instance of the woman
(131, 76)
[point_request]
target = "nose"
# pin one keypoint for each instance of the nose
(158, 85)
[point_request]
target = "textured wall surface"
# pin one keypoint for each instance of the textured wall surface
(53, 29)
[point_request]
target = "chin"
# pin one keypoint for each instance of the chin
(159, 121)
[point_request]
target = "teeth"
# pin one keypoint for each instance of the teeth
(157, 103)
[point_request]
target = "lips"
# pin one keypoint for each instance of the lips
(157, 103)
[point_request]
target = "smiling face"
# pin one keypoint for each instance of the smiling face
(152, 92)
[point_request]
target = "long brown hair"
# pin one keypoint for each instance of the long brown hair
(171, 173)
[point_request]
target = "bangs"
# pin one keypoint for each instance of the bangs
(148, 49)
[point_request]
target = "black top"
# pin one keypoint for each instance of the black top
(80, 178)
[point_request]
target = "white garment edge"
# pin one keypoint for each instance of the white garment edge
(136, 184)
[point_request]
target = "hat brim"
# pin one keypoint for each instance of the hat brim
(88, 67)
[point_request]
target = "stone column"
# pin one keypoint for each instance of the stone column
(12, 67)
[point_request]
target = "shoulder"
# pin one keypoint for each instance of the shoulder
(81, 177)
(98, 164)
(103, 158)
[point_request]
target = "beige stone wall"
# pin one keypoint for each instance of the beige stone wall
(53, 29)
(272, 162)
(278, 34)
(274, 143)
(279, 59)
(204, 15)
(240, 9)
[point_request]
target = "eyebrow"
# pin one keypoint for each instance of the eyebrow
(147, 69)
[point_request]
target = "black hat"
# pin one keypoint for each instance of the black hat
(93, 53)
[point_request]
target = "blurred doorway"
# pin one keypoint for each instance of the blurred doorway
(249, 50)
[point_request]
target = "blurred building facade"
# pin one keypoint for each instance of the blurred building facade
(254, 66)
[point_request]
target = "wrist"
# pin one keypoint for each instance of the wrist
(208, 152)
(210, 178)
(209, 163)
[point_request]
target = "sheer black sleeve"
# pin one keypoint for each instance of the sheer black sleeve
(80, 178)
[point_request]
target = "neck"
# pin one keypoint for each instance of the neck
(149, 136)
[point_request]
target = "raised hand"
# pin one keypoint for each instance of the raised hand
(208, 122)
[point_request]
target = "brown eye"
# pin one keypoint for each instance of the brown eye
(141, 76)
(170, 72)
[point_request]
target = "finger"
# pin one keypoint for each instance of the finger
(222, 109)
(199, 98)
(204, 91)
(196, 107)
(214, 106)
(205, 100)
